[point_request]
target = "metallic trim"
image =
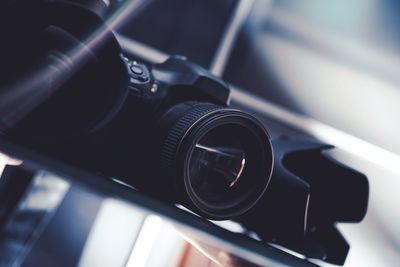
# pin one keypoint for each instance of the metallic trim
(228, 39)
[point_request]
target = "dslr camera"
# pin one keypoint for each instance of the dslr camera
(167, 130)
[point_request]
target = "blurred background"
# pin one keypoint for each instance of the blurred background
(327, 69)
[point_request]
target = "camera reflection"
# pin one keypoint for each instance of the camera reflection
(47, 220)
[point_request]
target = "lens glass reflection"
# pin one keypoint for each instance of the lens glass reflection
(216, 166)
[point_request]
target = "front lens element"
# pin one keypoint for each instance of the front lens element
(227, 162)
(218, 159)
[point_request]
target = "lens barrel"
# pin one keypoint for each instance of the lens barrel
(220, 159)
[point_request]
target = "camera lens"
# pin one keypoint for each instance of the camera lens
(221, 158)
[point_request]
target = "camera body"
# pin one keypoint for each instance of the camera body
(165, 129)
(168, 107)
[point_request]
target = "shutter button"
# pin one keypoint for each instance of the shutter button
(136, 69)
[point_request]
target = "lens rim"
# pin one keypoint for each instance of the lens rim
(208, 122)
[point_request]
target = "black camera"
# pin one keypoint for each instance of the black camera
(175, 126)
(125, 120)
(167, 130)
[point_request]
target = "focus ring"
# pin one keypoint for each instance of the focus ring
(179, 129)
